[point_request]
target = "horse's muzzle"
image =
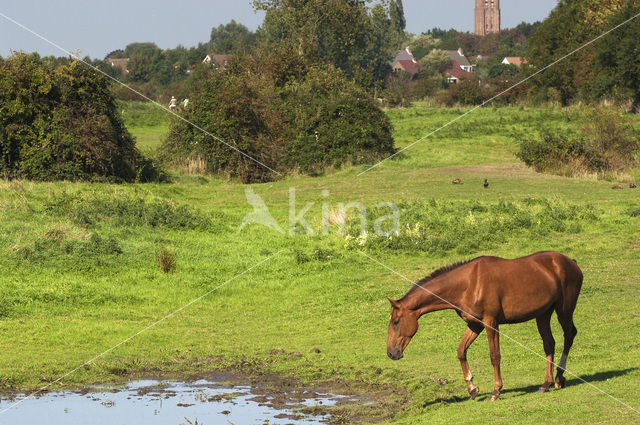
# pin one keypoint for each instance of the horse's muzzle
(394, 356)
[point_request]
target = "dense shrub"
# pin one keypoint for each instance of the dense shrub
(332, 122)
(465, 92)
(62, 123)
(607, 144)
(401, 88)
(510, 89)
(283, 111)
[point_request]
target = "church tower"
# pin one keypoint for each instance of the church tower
(487, 17)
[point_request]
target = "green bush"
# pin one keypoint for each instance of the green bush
(62, 124)
(607, 144)
(283, 111)
(332, 122)
(465, 92)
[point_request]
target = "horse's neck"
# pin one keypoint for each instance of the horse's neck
(439, 294)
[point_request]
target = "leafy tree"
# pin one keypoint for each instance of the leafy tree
(570, 25)
(346, 33)
(422, 45)
(398, 21)
(232, 38)
(502, 69)
(148, 49)
(434, 64)
(139, 67)
(448, 40)
(116, 54)
(616, 71)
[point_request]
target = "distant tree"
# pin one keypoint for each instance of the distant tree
(116, 54)
(447, 38)
(161, 68)
(398, 21)
(112, 71)
(616, 72)
(346, 33)
(502, 69)
(434, 64)
(144, 48)
(231, 38)
(422, 44)
(570, 25)
(139, 67)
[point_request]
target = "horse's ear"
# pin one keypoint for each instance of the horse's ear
(394, 304)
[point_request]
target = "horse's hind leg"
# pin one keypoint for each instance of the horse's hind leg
(470, 334)
(544, 327)
(570, 331)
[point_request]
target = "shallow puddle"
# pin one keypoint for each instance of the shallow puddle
(168, 402)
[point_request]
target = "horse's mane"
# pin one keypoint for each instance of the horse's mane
(436, 273)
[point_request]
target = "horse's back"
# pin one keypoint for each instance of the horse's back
(525, 287)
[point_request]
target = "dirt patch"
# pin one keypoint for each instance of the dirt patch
(355, 402)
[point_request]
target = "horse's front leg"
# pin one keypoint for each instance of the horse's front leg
(470, 334)
(494, 351)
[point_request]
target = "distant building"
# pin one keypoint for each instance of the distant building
(514, 60)
(455, 73)
(487, 17)
(220, 62)
(459, 57)
(119, 63)
(404, 61)
(459, 68)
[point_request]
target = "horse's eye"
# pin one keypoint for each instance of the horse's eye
(395, 322)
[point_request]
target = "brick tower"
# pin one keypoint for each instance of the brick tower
(487, 17)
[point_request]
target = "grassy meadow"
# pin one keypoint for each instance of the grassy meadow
(79, 275)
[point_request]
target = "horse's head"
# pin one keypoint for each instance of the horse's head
(403, 325)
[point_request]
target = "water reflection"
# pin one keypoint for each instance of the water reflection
(168, 402)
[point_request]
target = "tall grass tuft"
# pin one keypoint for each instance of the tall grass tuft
(165, 258)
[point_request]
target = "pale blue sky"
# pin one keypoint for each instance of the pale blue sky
(98, 27)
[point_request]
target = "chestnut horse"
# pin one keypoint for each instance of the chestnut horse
(487, 292)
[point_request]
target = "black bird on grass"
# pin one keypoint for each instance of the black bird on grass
(485, 183)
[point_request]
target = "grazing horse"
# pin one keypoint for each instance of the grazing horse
(487, 292)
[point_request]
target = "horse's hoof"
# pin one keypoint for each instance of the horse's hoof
(495, 397)
(474, 393)
(560, 381)
(543, 390)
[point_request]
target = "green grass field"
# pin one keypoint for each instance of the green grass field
(79, 275)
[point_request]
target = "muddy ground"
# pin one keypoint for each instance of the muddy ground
(358, 402)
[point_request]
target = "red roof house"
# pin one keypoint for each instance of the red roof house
(404, 61)
(455, 73)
